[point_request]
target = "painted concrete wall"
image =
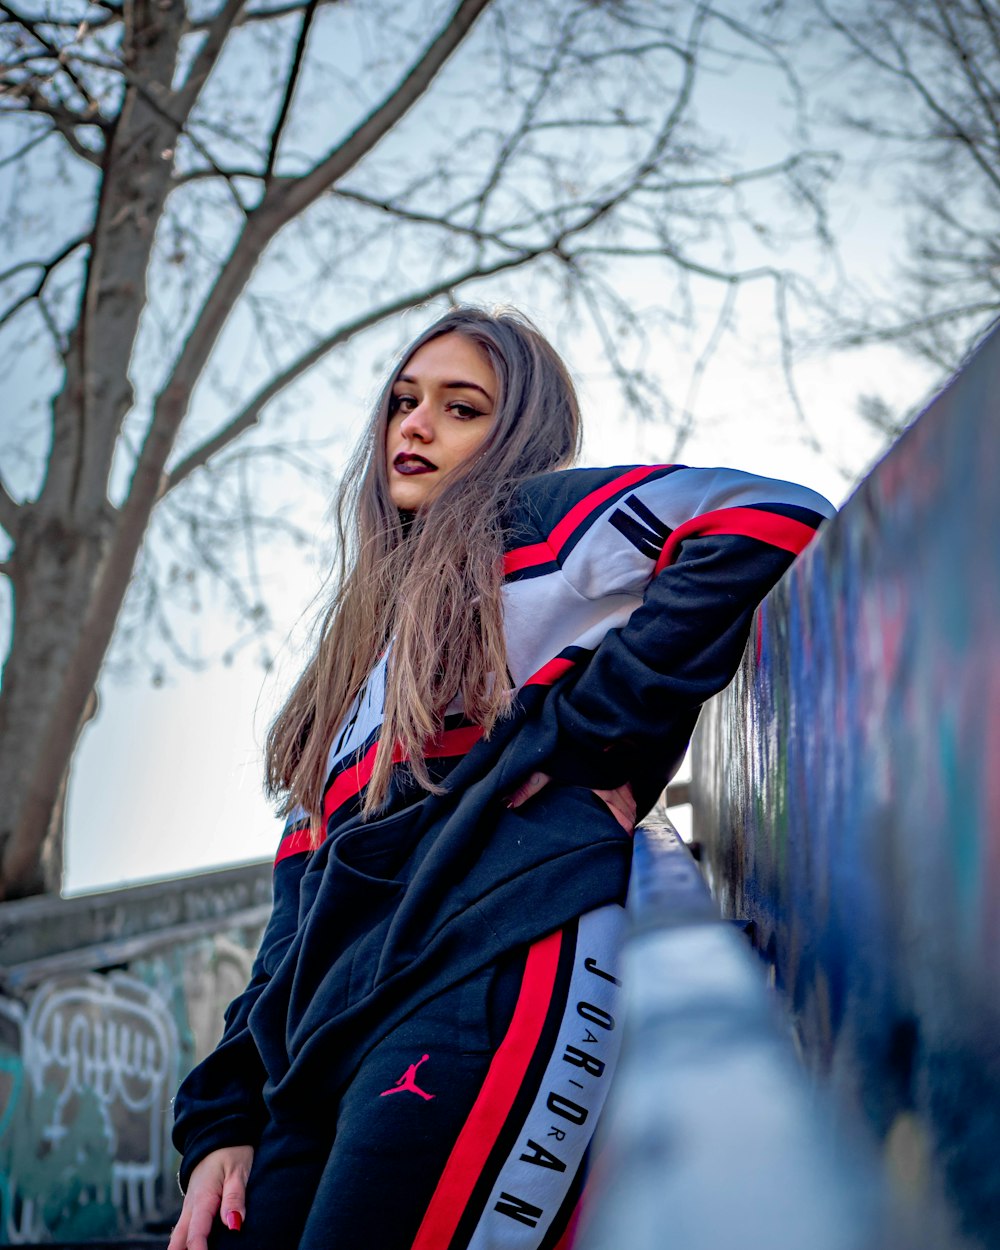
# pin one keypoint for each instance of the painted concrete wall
(105, 1002)
(847, 793)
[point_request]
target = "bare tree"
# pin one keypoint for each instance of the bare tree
(206, 201)
(921, 78)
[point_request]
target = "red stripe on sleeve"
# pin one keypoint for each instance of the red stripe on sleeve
(579, 512)
(295, 843)
(549, 673)
(768, 527)
(496, 1098)
(527, 557)
(541, 553)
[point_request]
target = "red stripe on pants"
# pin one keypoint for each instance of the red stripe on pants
(496, 1098)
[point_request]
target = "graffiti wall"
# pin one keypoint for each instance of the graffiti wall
(847, 793)
(94, 1039)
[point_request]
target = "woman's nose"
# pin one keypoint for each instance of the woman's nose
(416, 423)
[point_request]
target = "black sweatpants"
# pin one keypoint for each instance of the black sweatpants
(467, 1127)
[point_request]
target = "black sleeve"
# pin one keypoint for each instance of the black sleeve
(631, 710)
(220, 1102)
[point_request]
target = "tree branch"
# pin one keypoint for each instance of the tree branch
(290, 196)
(80, 149)
(291, 82)
(926, 321)
(651, 162)
(423, 219)
(528, 114)
(638, 388)
(788, 365)
(985, 94)
(178, 124)
(958, 130)
(26, 147)
(760, 173)
(57, 54)
(990, 20)
(208, 54)
(262, 15)
(903, 70)
(73, 23)
(37, 103)
(59, 340)
(727, 276)
(216, 171)
(47, 267)
(64, 120)
(723, 321)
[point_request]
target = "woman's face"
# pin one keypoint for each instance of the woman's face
(442, 408)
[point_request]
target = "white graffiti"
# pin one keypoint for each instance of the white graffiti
(27, 1228)
(113, 1040)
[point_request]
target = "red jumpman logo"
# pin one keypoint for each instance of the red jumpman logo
(408, 1081)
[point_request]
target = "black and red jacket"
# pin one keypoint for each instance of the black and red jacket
(629, 595)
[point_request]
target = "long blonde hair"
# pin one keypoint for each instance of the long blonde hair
(430, 582)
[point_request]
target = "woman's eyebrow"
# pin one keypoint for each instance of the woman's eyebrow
(450, 386)
(471, 386)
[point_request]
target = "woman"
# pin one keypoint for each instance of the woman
(424, 1047)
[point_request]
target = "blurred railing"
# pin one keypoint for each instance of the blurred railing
(713, 1137)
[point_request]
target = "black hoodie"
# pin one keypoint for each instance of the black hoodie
(628, 600)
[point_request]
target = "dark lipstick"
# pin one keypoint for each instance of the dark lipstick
(410, 463)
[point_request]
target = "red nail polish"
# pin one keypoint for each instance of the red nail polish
(235, 1221)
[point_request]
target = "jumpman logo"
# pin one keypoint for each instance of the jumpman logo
(408, 1081)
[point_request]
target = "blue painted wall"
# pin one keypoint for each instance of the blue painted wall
(847, 791)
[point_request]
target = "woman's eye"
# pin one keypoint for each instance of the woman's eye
(465, 411)
(402, 403)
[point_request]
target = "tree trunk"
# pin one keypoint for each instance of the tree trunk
(73, 553)
(51, 606)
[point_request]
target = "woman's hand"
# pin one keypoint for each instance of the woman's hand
(621, 800)
(217, 1187)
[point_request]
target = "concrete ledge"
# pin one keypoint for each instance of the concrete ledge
(34, 928)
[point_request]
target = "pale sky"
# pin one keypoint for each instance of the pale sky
(167, 780)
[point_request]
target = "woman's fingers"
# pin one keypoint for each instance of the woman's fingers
(234, 1202)
(217, 1187)
(200, 1225)
(178, 1237)
(192, 1229)
(528, 789)
(621, 801)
